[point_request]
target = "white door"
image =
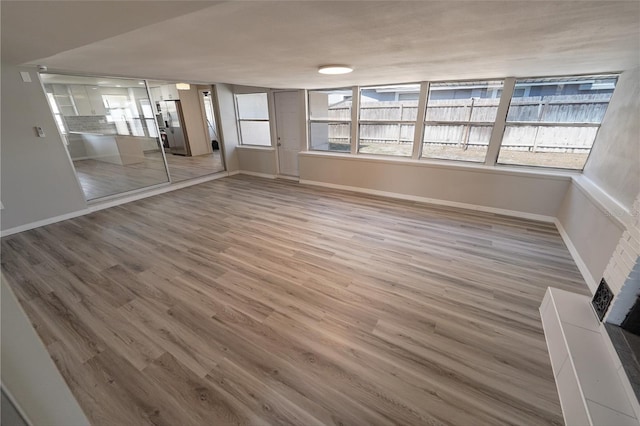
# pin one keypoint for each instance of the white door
(289, 120)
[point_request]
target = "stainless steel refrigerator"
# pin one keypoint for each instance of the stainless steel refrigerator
(171, 123)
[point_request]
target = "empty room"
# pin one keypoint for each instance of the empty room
(320, 213)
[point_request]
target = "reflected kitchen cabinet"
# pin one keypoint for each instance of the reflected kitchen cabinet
(88, 100)
(63, 98)
(169, 92)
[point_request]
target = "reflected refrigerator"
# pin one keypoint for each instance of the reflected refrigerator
(171, 124)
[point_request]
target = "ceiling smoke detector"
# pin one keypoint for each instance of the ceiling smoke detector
(334, 69)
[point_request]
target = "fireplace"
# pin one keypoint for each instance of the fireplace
(632, 322)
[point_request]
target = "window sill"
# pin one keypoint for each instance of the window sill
(451, 164)
(257, 147)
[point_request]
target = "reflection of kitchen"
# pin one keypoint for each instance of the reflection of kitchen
(113, 122)
(188, 130)
(103, 121)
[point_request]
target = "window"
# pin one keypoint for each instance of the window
(459, 119)
(149, 118)
(330, 119)
(553, 122)
(56, 113)
(119, 112)
(253, 119)
(388, 119)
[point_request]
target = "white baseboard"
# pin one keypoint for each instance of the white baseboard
(582, 267)
(105, 204)
(43, 222)
(286, 177)
(513, 213)
(16, 405)
(262, 175)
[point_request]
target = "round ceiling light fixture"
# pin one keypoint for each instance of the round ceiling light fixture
(334, 69)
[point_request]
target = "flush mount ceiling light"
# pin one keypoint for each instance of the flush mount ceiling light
(183, 86)
(334, 69)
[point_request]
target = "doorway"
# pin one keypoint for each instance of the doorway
(186, 117)
(290, 141)
(211, 125)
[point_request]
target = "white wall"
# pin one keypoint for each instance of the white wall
(257, 160)
(614, 163)
(227, 125)
(28, 373)
(38, 180)
(194, 121)
(592, 232)
(527, 193)
(597, 205)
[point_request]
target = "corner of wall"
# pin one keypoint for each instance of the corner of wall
(38, 180)
(597, 204)
(614, 163)
(228, 128)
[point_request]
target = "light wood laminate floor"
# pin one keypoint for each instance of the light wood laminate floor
(101, 179)
(253, 301)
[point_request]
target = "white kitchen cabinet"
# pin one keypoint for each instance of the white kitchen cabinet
(87, 100)
(80, 99)
(63, 99)
(95, 98)
(169, 92)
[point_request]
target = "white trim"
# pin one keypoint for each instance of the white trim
(497, 132)
(582, 267)
(111, 203)
(355, 120)
(235, 172)
(435, 201)
(43, 222)
(611, 208)
(16, 405)
(262, 175)
(287, 177)
(418, 134)
(256, 147)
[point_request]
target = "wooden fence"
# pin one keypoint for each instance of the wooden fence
(533, 123)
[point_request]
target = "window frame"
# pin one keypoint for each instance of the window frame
(506, 123)
(355, 144)
(310, 120)
(252, 120)
(497, 134)
(470, 124)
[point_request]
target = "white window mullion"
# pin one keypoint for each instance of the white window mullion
(418, 134)
(499, 125)
(355, 107)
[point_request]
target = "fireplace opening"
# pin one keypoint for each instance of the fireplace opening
(632, 322)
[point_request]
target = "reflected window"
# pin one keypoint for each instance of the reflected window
(253, 119)
(102, 121)
(330, 119)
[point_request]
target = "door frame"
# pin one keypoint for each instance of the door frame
(302, 129)
(216, 117)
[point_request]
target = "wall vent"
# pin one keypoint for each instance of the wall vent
(602, 299)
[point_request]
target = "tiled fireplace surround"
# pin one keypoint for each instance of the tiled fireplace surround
(593, 386)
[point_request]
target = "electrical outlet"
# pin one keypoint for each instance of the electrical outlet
(39, 131)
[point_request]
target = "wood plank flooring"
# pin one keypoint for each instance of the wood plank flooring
(101, 179)
(253, 301)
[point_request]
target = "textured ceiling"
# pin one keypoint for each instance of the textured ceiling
(280, 44)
